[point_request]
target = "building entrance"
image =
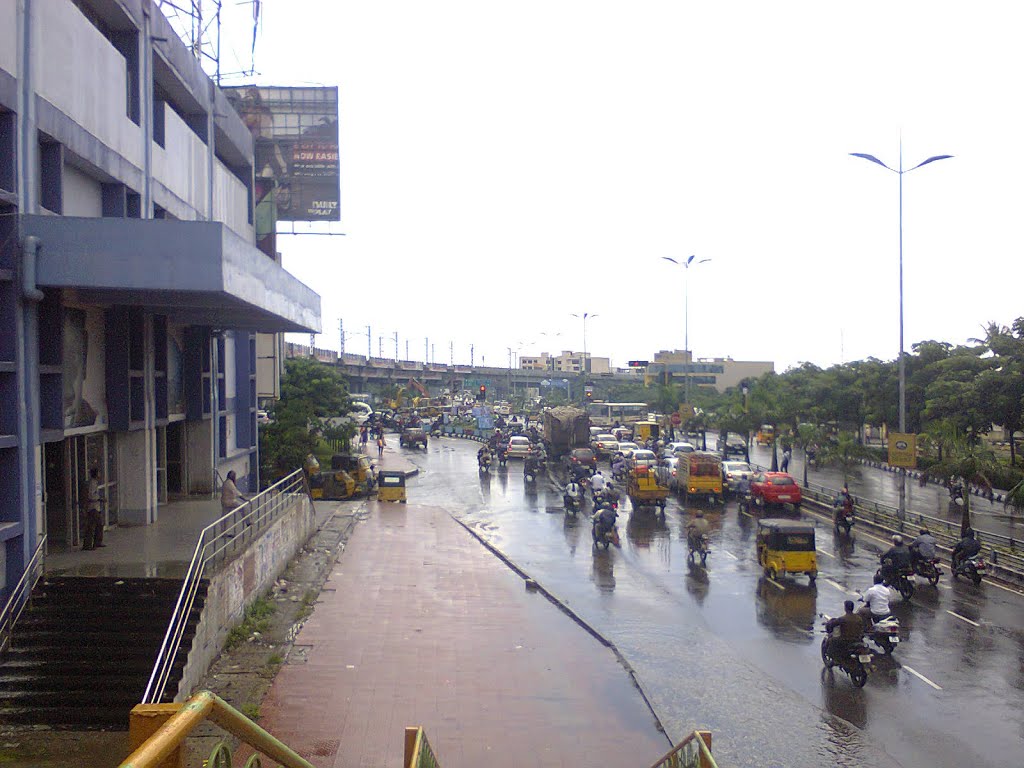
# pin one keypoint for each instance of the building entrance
(66, 484)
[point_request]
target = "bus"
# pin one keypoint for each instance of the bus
(607, 414)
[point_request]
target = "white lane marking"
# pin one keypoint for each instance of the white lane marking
(730, 554)
(918, 675)
(963, 618)
(839, 586)
(827, 554)
(747, 514)
(1008, 589)
(773, 581)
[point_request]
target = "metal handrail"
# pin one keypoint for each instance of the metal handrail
(220, 540)
(692, 752)
(1001, 546)
(206, 705)
(21, 593)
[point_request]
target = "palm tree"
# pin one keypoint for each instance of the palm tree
(845, 453)
(969, 462)
(806, 435)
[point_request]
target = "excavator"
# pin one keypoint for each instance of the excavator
(421, 400)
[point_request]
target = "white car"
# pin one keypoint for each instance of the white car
(627, 448)
(518, 447)
(679, 447)
(733, 472)
(604, 445)
(672, 464)
(643, 458)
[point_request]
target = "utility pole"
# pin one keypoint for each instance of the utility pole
(432, 358)
(380, 347)
(470, 355)
(406, 349)
(451, 353)
(341, 334)
(369, 344)
(396, 346)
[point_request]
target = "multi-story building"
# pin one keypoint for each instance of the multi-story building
(567, 362)
(721, 373)
(131, 290)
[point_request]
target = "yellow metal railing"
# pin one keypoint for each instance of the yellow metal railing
(418, 753)
(692, 752)
(159, 730)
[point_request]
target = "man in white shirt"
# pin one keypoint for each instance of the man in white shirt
(597, 484)
(876, 601)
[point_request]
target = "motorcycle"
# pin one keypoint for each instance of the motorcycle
(485, 464)
(529, 472)
(842, 518)
(929, 569)
(956, 494)
(852, 664)
(609, 537)
(698, 545)
(502, 459)
(885, 633)
(573, 504)
(903, 582)
(971, 567)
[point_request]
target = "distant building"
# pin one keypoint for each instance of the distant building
(720, 373)
(567, 362)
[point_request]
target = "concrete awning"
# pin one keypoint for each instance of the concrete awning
(195, 272)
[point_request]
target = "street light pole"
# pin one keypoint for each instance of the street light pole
(900, 364)
(585, 315)
(686, 315)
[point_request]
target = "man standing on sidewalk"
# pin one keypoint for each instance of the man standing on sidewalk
(92, 537)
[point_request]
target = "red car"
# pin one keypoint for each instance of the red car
(581, 457)
(775, 488)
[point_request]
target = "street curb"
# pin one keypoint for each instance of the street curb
(535, 585)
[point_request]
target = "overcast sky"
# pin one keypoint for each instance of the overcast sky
(507, 164)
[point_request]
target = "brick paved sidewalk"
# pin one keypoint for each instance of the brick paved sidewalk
(420, 625)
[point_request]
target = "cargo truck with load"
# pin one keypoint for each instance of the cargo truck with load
(565, 428)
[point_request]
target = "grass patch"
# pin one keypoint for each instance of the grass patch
(306, 607)
(250, 710)
(257, 619)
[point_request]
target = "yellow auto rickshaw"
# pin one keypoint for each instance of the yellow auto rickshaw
(359, 467)
(338, 484)
(786, 546)
(391, 486)
(765, 434)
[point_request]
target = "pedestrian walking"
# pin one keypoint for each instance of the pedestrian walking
(787, 453)
(92, 537)
(364, 436)
(380, 444)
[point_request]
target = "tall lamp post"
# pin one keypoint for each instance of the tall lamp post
(585, 315)
(686, 313)
(902, 512)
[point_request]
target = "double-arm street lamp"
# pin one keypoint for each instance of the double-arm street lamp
(900, 363)
(585, 315)
(686, 313)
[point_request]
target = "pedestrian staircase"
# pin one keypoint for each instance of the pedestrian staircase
(84, 648)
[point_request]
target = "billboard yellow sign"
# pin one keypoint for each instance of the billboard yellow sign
(902, 450)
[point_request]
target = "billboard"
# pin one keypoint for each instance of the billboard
(295, 133)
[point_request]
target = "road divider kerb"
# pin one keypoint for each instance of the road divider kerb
(564, 608)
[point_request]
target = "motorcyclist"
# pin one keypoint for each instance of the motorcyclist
(966, 548)
(483, 456)
(956, 490)
(696, 529)
(619, 465)
(895, 559)
(604, 519)
(540, 451)
(531, 464)
(597, 483)
(501, 450)
(845, 632)
(922, 549)
(876, 603)
(578, 472)
(572, 492)
(611, 494)
(844, 501)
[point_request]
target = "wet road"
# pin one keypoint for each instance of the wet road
(729, 650)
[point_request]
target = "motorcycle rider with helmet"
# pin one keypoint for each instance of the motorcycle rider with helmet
(895, 559)
(483, 456)
(923, 548)
(604, 520)
(572, 493)
(696, 529)
(876, 603)
(966, 548)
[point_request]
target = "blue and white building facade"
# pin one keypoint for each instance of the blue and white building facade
(133, 299)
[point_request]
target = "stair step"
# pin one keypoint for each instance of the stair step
(85, 718)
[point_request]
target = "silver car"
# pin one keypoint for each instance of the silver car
(733, 472)
(605, 445)
(518, 447)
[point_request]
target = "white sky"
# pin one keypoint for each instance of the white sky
(505, 164)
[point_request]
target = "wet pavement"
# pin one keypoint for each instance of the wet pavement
(727, 649)
(419, 624)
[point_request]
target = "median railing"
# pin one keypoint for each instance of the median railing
(418, 753)
(1004, 551)
(179, 720)
(21, 593)
(218, 542)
